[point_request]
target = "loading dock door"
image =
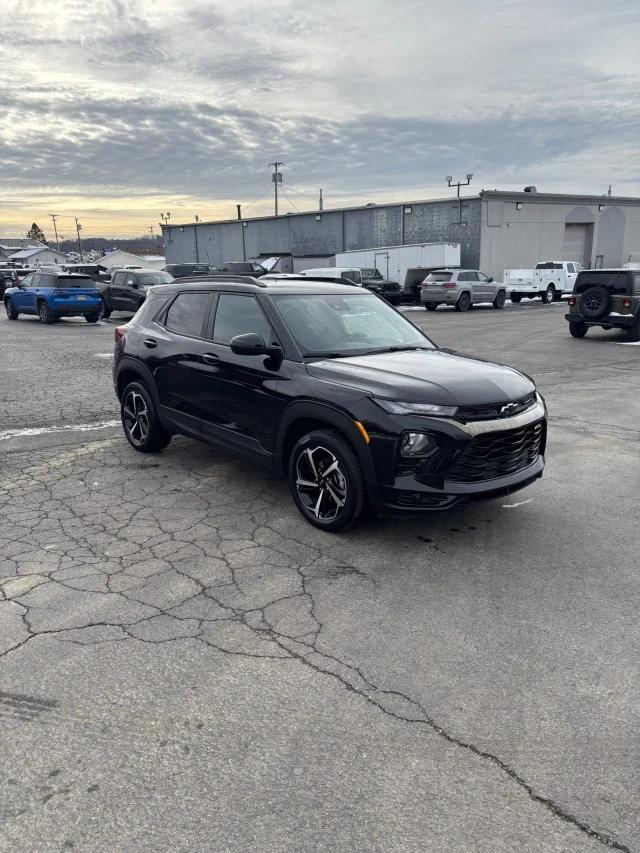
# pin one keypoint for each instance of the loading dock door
(575, 243)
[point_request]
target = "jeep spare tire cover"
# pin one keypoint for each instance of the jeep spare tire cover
(594, 302)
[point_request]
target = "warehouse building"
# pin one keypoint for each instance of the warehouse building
(496, 230)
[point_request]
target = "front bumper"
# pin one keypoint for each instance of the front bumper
(476, 460)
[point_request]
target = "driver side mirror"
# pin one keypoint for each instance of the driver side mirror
(253, 344)
(491, 278)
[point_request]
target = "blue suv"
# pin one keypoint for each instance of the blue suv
(51, 295)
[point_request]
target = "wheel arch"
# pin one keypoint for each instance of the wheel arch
(132, 370)
(303, 417)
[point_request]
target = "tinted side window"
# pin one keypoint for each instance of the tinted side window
(186, 314)
(237, 315)
(27, 281)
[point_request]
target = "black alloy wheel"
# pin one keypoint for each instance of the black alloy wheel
(326, 481)
(500, 299)
(594, 302)
(140, 422)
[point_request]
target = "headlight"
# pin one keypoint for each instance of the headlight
(395, 408)
(416, 443)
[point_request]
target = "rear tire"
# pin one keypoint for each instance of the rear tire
(577, 329)
(500, 299)
(92, 318)
(430, 306)
(45, 314)
(140, 420)
(515, 297)
(464, 302)
(633, 332)
(105, 312)
(549, 295)
(10, 308)
(331, 503)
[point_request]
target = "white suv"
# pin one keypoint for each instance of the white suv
(462, 289)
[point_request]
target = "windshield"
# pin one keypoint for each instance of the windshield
(548, 265)
(332, 325)
(370, 272)
(73, 281)
(154, 278)
(438, 276)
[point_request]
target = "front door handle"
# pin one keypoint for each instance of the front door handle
(210, 358)
(149, 342)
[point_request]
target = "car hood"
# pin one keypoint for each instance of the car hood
(426, 376)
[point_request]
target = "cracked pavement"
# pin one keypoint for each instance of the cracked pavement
(185, 664)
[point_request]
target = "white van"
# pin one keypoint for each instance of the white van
(350, 275)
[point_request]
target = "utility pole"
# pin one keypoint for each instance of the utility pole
(54, 216)
(151, 231)
(320, 205)
(458, 184)
(239, 209)
(78, 229)
(277, 179)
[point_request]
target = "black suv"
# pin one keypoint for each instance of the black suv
(127, 289)
(330, 386)
(373, 280)
(606, 298)
(187, 270)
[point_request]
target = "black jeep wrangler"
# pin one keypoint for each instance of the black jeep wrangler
(606, 298)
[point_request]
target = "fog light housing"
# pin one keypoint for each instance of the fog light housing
(417, 444)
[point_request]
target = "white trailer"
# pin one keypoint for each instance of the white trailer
(549, 279)
(408, 265)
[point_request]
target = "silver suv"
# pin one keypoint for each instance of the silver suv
(462, 289)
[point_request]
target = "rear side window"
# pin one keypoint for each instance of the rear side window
(186, 314)
(237, 315)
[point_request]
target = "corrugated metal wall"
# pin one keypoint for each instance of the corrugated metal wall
(335, 231)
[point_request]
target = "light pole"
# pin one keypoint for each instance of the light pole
(458, 184)
(276, 177)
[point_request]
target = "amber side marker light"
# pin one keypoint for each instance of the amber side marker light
(363, 431)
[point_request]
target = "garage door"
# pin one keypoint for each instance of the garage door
(575, 243)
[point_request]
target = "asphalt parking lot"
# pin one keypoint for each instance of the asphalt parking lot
(185, 664)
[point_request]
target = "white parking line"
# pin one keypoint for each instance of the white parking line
(17, 433)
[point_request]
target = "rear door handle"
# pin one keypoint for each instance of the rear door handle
(149, 342)
(210, 358)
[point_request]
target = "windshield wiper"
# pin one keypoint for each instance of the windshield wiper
(395, 349)
(324, 354)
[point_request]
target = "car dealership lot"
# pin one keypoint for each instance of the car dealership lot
(189, 665)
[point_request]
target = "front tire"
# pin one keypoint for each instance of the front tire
(577, 329)
(464, 302)
(140, 420)
(326, 481)
(45, 313)
(549, 295)
(430, 306)
(515, 298)
(10, 308)
(105, 312)
(500, 299)
(92, 318)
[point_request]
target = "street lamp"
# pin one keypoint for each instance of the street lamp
(458, 184)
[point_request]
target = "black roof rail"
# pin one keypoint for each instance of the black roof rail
(222, 277)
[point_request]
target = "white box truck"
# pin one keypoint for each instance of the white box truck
(548, 279)
(408, 265)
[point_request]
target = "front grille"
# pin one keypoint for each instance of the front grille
(491, 411)
(497, 454)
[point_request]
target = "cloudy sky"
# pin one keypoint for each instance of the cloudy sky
(115, 111)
